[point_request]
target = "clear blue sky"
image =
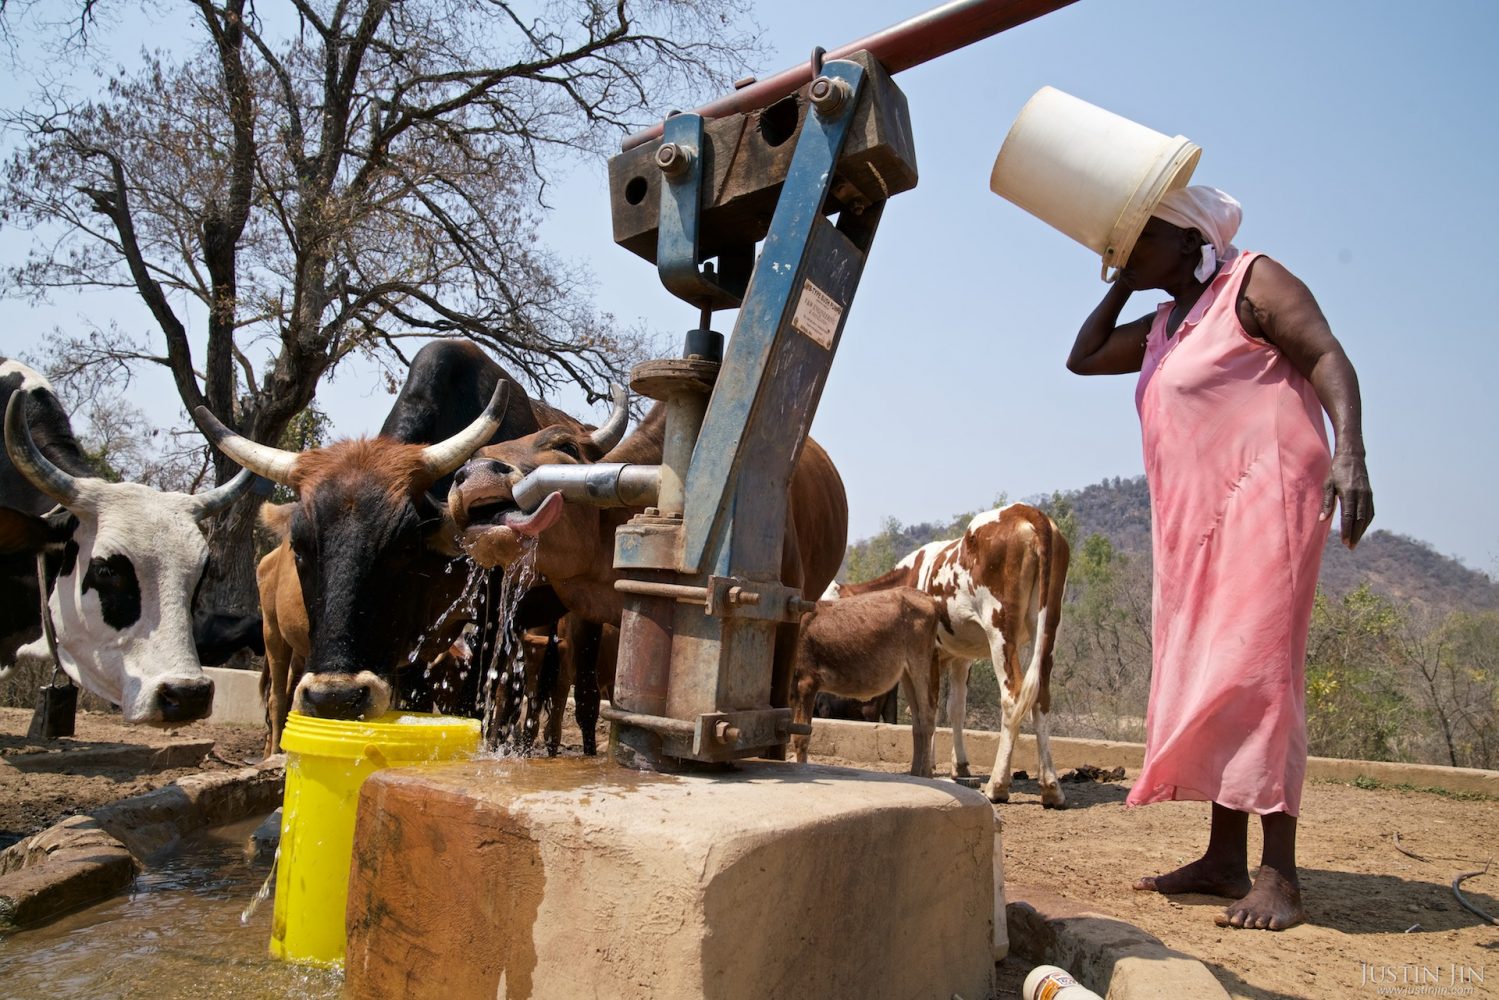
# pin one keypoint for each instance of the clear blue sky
(1360, 137)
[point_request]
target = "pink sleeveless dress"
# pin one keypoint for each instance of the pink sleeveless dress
(1236, 455)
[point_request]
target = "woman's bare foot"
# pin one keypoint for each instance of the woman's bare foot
(1274, 903)
(1205, 875)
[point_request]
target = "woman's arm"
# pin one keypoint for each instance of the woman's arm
(1102, 348)
(1277, 307)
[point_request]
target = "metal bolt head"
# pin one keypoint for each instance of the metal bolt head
(673, 159)
(828, 95)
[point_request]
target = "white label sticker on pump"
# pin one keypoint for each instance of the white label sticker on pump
(817, 315)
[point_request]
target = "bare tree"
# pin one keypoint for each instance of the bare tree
(334, 176)
(1454, 665)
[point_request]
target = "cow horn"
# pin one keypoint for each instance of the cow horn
(211, 502)
(261, 459)
(445, 456)
(613, 431)
(35, 466)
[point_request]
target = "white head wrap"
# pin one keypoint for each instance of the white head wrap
(1213, 213)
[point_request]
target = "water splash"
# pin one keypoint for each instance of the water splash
(465, 603)
(264, 894)
(503, 682)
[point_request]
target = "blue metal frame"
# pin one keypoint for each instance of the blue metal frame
(677, 239)
(737, 414)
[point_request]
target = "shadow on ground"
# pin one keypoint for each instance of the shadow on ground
(1370, 903)
(1080, 794)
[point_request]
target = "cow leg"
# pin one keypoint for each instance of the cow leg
(508, 666)
(916, 682)
(539, 682)
(585, 638)
(802, 698)
(781, 679)
(279, 661)
(556, 691)
(957, 711)
(1005, 657)
(998, 786)
(1052, 796)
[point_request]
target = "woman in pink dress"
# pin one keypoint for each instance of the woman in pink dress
(1235, 373)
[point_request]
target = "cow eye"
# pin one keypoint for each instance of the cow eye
(567, 448)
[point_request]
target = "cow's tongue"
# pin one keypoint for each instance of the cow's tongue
(537, 521)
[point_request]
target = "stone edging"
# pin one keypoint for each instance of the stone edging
(1115, 959)
(138, 757)
(86, 858)
(866, 742)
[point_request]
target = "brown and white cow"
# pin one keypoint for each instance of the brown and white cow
(863, 645)
(999, 595)
(575, 552)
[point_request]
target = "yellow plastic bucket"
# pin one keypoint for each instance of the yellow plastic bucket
(326, 762)
(1089, 173)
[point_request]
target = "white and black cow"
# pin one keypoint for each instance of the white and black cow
(123, 563)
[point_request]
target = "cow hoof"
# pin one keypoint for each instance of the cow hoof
(961, 771)
(998, 794)
(1058, 804)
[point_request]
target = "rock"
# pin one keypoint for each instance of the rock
(266, 838)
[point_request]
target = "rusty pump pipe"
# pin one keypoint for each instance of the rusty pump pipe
(912, 42)
(611, 484)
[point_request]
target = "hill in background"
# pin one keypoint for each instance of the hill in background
(1403, 568)
(1399, 567)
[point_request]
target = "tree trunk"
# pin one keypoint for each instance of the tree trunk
(229, 581)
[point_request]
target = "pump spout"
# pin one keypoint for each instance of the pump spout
(613, 484)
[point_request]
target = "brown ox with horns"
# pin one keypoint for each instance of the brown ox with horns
(575, 544)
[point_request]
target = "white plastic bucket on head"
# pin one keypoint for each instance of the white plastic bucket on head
(1088, 172)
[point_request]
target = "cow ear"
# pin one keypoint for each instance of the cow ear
(21, 532)
(441, 529)
(275, 518)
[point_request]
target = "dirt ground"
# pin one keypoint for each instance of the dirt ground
(33, 799)
(1378, 917)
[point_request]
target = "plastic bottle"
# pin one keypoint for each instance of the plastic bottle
(1047, 982)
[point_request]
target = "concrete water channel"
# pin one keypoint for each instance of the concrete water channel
(175, 934)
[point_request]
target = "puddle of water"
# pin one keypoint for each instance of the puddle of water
(174, 935)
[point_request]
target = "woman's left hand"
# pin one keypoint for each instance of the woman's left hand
(1348, 480)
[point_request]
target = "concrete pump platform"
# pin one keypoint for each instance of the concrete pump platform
(573, 878)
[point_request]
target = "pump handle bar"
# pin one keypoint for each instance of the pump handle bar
(910, 43)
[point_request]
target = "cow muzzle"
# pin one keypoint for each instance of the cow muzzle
(480, 494)
(342, 696)
(184, 700)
